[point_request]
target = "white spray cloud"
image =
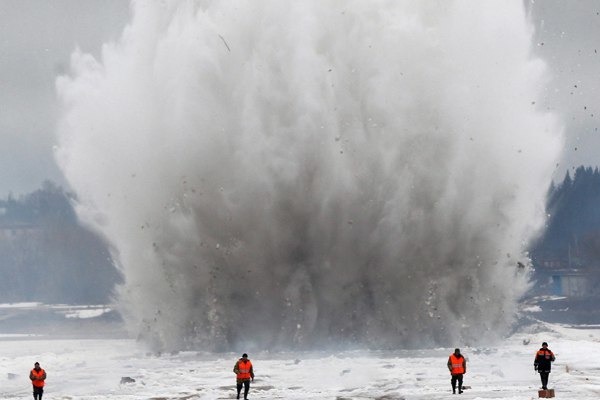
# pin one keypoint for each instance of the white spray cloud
(276, 174)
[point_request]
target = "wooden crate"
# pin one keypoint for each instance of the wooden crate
(546, 394)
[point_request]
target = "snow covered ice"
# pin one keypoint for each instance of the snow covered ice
(82, 368)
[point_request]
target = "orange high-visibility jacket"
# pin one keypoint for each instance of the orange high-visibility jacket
(243, 370)
(38, 377)
(458, 364)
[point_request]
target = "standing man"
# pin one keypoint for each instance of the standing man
(543, 363)
(458, 367)
(244, 372)
(38, 378)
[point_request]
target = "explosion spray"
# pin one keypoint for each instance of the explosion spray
(299, 174)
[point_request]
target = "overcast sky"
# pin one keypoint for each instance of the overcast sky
(568, 39)
(36, 40)
(38, 36)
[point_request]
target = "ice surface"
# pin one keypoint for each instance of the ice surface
(20, 305)
(87, 313)
(93, 368)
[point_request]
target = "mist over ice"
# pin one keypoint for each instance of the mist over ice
(301, 174)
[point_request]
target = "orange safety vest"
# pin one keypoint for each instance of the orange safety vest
(458, 365)
(244, 369)
(37, 374)
(545, 353)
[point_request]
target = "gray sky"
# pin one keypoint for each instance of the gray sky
(37, 38)
(568, 38)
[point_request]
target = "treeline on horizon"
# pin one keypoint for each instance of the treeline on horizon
(572, 235)
(47, 256)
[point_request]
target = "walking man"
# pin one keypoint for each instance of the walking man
(38, 378)
(458, 367)
(244, 373)
(543, 363)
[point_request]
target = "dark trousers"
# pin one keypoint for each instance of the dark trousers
(455, 378)
(246, 384)
(544, 376)
(38, 392)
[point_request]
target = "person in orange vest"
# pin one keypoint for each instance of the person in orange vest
(458, 367)
(38, 379)
(243, 374)
(543, 363)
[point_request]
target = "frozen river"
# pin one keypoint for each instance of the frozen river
(92, 369)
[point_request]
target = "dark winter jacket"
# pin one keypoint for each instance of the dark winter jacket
(543, 360)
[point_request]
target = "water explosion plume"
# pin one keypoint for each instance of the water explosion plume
(297, 174)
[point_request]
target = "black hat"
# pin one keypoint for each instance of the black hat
(244, 355)
(544, 344)
(36, 363)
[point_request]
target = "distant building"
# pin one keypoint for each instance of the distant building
(553, 264)
(570, 283)
(12, 230)
(559, 277)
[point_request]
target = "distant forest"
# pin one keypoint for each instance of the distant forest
(572, 235)
(47, 256)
